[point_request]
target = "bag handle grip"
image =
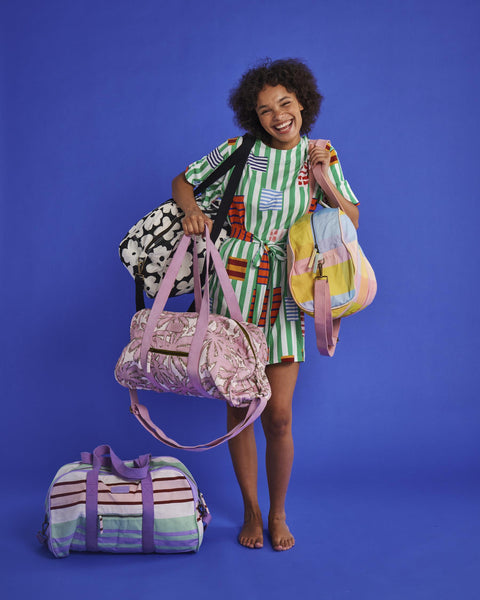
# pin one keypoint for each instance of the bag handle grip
(104, 456)
(318, 175)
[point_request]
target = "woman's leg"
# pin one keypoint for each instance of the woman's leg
(243, 451)
(277, 422)
(277, 425)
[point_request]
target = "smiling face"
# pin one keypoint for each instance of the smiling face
(279, 113)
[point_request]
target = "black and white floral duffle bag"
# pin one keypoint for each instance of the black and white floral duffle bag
(149, 245)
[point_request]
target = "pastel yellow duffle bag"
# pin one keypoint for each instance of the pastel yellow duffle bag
(329, 275)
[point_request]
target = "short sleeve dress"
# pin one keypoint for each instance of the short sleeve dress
(273, 193)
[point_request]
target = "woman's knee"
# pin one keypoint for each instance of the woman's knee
(277, 424)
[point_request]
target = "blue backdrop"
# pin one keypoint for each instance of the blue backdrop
(102, 103)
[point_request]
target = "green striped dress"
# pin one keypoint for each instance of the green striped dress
(273, 193)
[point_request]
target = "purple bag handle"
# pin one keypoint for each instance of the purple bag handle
(104, 456)
(257, 405)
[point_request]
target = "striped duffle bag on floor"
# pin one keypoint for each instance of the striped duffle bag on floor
(103, 504)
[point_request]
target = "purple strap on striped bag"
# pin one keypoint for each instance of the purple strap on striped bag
(104, 456)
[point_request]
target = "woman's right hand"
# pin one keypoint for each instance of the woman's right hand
(194, 222)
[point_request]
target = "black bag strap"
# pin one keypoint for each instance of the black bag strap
(236, 159)
(234, 180)
(239, 159)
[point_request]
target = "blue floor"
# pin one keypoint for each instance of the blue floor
(358, 537)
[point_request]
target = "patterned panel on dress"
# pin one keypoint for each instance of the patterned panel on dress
(214, 158)
(277, 234)
(291, 309)
(231, 141)
(263, 269)
(287, 359)
(236, 268)
(271, 200)
(313, 205)
(303, 178)
(236, 211)
(276, 302)
(333, 155)
(252, 306)
(258, 163)
(263, 316)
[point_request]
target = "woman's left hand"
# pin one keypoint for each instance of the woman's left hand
(318, 155)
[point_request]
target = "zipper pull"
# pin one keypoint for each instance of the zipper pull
(312, 258)
(318, 265)
(100, 524)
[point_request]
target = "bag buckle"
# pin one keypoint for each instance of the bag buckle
(318, 267)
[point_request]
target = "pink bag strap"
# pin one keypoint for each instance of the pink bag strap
(326, 328)
(203, 304)
(202, 323)
(141, 412)
(318, 175)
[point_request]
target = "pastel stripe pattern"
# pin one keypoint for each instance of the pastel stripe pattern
(178, 510)
(271, 200)
(291, 309)
(330, 234)
(272, 195)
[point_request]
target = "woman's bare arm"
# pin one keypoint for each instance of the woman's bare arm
(195, 220)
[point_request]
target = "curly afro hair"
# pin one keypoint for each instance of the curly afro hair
(294, 75)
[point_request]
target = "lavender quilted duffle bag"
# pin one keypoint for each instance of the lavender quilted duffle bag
(102, 504)
(196, 353)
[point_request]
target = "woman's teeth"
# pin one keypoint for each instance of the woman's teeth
(284, 126)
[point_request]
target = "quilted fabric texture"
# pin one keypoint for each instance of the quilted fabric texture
(232, 359)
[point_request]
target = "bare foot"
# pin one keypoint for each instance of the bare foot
(280, 534)
(251, 534)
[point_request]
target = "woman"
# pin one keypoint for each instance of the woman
(278, 102)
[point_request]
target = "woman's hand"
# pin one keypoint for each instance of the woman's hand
(318, 155)
(194, 222)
